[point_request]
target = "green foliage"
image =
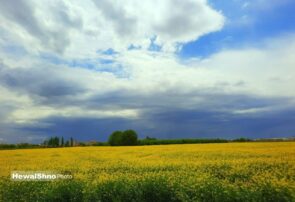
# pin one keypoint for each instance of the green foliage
(71, 142)
(126, 138)
(100, 144)
(242, 139)
(156, 188)
(7, 146)
(129, 137)
(154, 141)
(115, 138)
(61, 191)
(67, 144)
(52, 142)
(58, 142)
(62, 141)
(18, 146)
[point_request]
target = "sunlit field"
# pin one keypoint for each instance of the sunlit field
(198, 172)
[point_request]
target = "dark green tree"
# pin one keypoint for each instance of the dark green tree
(115, 138)
(129, 137)
(62, 141)
(56, 141)
(119, 138)
(52, 142)
(71, 142)
(67, 144)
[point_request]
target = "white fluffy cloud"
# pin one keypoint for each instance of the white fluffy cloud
(171, 21)
(81, 27)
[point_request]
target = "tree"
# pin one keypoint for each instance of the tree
(45, 143)
(129, 137)
(67, 144)
(52, 142)
(150, 138)
(119, 138)
(115, 138)
(62, 141)
(71, 142)
(56, 142)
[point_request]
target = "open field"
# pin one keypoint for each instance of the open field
(197, 172)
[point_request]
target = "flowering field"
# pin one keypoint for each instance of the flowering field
(199, 172)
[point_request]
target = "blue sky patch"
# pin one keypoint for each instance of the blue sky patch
(244, 27)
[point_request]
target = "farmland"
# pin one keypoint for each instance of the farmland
(192, 172)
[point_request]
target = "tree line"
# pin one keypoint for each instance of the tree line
(130, 138)
(59, 142)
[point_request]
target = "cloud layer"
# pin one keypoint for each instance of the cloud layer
(67, 26)
(86, 68)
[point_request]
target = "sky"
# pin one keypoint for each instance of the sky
(167, 69)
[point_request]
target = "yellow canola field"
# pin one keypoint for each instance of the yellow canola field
(138, 160)
(236, 166)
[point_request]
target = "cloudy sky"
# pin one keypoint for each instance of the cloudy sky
(168, 69)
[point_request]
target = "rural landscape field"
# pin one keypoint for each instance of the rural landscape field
(194, 172)
(147, 101)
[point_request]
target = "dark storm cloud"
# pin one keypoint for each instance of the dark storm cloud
(208, 120)
(205, 99)
(44, 82)
(174, 124)
(13, 133)
(188, 124)
(80, 128)
(203, 113)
